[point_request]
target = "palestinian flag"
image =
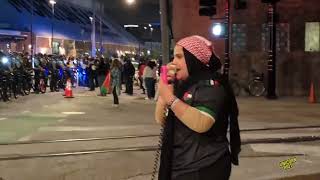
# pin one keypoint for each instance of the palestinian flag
(106, 86)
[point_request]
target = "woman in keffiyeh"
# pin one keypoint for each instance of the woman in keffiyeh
(201, 106)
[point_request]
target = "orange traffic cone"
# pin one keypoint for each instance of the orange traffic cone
(312, 96)
(68, 90)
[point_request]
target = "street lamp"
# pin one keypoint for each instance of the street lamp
(5, 60)
(52, 2)
(130, 2)
(31, 29)
(93, 35)
(151, 31)
(218, 30)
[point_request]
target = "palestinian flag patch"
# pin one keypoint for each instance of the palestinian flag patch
(214, 83)
(187, 97)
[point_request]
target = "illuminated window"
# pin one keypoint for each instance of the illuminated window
(312, 37)
(283, 37)
(239, 37)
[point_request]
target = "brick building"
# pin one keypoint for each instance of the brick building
(298, 33)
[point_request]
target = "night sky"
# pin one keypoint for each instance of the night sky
(143, 11)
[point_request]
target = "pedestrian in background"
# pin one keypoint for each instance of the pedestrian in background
(150, 78)
(141, 68)
(115, 81)
(93, 76)
(129, 72)
(102, 73)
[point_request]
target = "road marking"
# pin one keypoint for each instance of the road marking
(2, 119)
(71, 128)
(285, 148)
(26, 138)
(307, 161)
(250, 136)
(24, 112)
(73, 113)
(92, 128)
(61, 120)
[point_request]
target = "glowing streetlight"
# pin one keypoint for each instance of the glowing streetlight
(5, 60)
(151, 29)
(130, 2)
(145, 28)
(150, 25)
(131, 26)
(91, 19)
(217, 29)
(52, 2)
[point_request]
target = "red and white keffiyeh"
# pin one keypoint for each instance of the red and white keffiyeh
(199, 46)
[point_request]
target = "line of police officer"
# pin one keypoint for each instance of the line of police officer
(17, 70)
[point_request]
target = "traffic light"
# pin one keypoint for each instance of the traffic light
(240, 4)
(208, 8)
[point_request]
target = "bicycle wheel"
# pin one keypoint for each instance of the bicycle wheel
(235, 87)
(256, 88)
(26, 88)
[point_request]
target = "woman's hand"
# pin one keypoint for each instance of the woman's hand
(161, 101)
(161, 111)
(166, 92)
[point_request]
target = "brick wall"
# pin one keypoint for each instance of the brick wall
(295, 69)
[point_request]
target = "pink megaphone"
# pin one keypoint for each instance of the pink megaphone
(164, 73)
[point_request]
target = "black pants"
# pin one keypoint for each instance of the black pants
(150, 85)
(141, 84)
(129, 85)
(36, 81)
(115, 96)
(54, 81)
(93, 80)
(220, 170)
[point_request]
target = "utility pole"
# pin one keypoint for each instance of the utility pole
(227, 41)
(52, 2)
(164, 31)
(93, 34)
(272, 61)
(101, 33)
(31, 29)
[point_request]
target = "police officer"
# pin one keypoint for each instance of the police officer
(52, 66)
(37, 72)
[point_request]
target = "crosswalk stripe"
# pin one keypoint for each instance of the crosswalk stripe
(73, 113)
